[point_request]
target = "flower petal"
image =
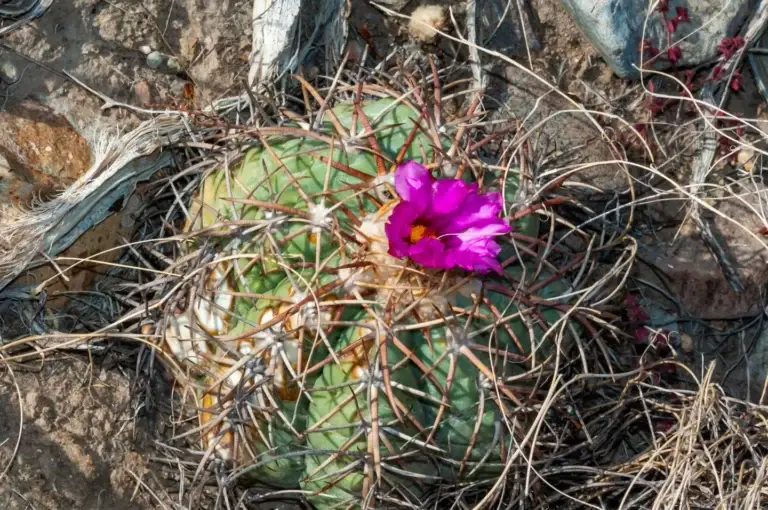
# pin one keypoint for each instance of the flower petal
(477, 249)
(413, 183)
(430, 252)
(467, 254)
(398, 228)
(464, 222)
(475, 210)
(492, 227)
(448, 195)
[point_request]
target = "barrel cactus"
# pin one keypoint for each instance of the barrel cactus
(368, 328)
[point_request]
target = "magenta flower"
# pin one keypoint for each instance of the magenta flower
(444, 223)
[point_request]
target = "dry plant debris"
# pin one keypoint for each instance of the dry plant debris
(599, 421)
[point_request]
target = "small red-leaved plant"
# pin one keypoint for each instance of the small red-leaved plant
(728, 48)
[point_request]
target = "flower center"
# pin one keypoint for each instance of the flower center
(419, 232)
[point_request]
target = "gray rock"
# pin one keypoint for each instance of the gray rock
(8, 71)
(506, 27)
(155, 60)
(616, 29)
(173, 65)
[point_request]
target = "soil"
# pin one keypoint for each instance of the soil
(80, 444)
(103, 44)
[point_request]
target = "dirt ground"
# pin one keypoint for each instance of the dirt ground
(74, 429)
(105, 45)
(80, 445)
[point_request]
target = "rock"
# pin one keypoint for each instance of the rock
(9, 72)
(354, 52)
(143, 94)
(311, 72)
(616, 29)
(41, 153)
(145, 49)
(506, 27)
(173, 65)
(155, 60)
(746, 159)
(686, 343)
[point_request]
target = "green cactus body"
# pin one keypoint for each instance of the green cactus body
(528, 224)
(270, 435)
(462, 356)
(303, 164)
(359, 430)
(341, 424)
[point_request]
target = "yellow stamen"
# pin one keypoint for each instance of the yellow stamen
(419, 232)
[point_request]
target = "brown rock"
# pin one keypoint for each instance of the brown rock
(40, 155)
(144, 96)
(43, 152)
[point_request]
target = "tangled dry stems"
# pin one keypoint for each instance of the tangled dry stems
(602, 433)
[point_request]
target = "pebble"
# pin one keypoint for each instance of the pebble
(311, 73)
(141, 89)
(746, 158)
(145, 49)
(5, 168)
(155, 60)
(9, 72)
(355, 51)
(174, 65)
(686, 342)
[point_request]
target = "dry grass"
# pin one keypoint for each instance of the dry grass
(604, 428)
